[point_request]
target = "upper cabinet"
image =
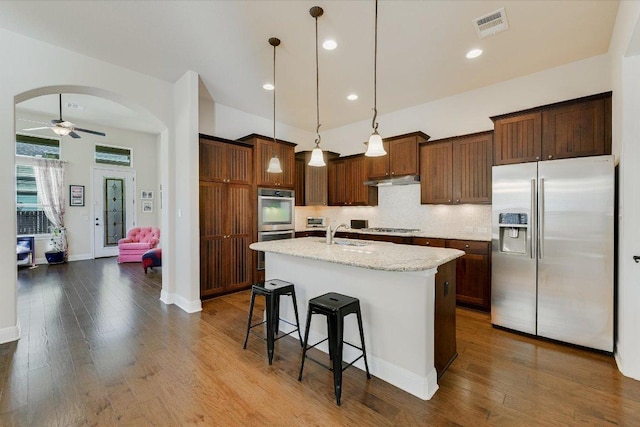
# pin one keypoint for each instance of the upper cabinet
(456, 170)
(346, 178)
(265, 148)
(575, 128)
(224, 161)
(312, 183)
(401, 158)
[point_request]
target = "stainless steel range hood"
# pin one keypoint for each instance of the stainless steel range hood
(403, 180)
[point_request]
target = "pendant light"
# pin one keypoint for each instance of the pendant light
(317, 158)
(274, 163)
(375, 148)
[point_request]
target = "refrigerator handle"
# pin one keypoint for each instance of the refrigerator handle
(541, 218)
(532, 222)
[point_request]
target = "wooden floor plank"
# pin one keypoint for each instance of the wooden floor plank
(98, 347)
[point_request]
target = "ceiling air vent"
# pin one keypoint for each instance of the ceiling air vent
(491, 23)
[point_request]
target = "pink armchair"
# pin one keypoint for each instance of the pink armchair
(138, 241)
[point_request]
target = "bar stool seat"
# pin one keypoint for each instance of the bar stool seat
(335, 307)
(272, 290)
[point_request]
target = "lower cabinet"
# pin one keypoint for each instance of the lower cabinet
(473, 273)
(473, 270)
(445, 350)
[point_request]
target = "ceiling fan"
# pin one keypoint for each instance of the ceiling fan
(63, 128)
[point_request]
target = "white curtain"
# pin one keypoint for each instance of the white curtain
(49, 176)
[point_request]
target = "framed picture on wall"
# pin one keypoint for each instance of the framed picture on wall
(76, 195)
(146, 194)
(147, 206)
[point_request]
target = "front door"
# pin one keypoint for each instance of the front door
(113, 208)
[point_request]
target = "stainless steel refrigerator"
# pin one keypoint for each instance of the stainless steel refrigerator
(553, 249)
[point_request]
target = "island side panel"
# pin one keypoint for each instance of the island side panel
(397, 310)
(445, 317)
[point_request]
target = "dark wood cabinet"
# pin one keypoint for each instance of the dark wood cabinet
(444, 342)
(312, 183)
(574, 128)
(456, 170)
(401, 158)
(473, 273)
(226, 216)
(265, 148)
(577, 130)
(346, 178)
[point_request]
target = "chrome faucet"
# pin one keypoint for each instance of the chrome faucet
(331, 234)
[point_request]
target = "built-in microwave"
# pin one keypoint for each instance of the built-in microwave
(276, 209)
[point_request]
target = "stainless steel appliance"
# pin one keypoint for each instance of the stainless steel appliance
(552, 239)
(276, 209)
(316, 221)
(276, 217)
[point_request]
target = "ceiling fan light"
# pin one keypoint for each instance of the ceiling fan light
(375, 148)
(274, 165)
(62, 131)
(317, 159)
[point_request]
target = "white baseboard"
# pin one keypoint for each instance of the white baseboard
(12, 333)
(186, 305)
(423, 387)
(80, 257)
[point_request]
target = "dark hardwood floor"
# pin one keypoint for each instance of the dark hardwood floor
(99, 348)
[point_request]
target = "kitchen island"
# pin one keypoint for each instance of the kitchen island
(407, 293)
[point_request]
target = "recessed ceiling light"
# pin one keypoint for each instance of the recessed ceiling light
(329, 44)
(352, 97)
(268, 86)
(474, 53)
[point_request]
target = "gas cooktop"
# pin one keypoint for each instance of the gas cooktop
(391, 230)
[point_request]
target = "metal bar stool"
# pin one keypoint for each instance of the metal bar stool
(272, 290)
(336, 307)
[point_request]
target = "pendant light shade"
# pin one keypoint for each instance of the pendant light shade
(274, 163)
(375, 148)
(317, 158)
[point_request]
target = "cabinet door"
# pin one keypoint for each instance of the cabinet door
(212, 165)
(517, 139)
(315, 188)
(444, 342)
(213, 228)
(378, 167)
(286, 153)
(472, 169)
(575, 130)
(473, 274)
(299, 189)
(436, 185)
(239, 164)
(264, 152)
(357, 192)
(337, 183)
(403, 156)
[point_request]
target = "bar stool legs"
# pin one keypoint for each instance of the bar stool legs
(336, 307)
(272, 290)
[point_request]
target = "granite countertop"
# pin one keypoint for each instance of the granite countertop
(366, 254)
(432, 235)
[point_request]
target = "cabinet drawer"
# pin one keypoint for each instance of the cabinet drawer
(470, 246)
(428, 241)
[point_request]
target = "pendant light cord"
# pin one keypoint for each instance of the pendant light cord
(317, 91)
(274, 93)
(374, 124)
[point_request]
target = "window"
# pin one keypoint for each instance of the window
(34, 146)
(113, 155)
(30, 216)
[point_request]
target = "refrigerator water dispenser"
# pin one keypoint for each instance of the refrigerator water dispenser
(514, 230)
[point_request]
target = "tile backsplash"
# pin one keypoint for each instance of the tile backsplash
(399, 207)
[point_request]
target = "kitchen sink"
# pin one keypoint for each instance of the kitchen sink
(346, 242)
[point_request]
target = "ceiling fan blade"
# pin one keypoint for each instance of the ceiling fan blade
(90, 131)
(44, 127)
(72, 134)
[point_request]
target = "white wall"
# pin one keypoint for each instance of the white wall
(79, 155)
(626, 134)
(39, 68)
